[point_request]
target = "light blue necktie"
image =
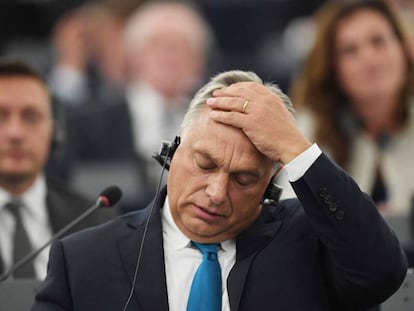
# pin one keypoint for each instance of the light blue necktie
(205, 293)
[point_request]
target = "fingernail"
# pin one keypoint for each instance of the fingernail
(211, 100)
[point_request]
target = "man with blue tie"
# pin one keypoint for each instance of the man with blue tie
(215, 239)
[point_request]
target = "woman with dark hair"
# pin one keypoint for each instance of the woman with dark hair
(356, 98)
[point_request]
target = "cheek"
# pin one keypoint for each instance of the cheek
(246, 207)
(348, 75)
(190, 61)
(42, 141)
(398, 64)
(346, 70)
(183, 177)
(3, 139)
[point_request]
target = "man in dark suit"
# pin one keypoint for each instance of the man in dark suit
(32, 206)
(327, 250)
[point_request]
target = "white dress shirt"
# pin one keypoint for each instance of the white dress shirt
(69, 84)
(35, 220)
(182, 260)
(154, 118)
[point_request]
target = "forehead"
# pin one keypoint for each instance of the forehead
(178, 18)
(20, 91)
(166, 21)
(221, 142)
(361, 21)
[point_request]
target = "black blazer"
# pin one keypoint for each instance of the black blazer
(100, 132)
(102, 137)
(329, 251)
(64, 205)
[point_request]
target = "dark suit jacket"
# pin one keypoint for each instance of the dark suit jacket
(100, 142)
(329, 251)
(100, 132)
(64, 205)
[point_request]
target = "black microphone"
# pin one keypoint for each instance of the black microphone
(108, 198)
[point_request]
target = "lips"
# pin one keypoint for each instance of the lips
(15, 153)
(206, 214)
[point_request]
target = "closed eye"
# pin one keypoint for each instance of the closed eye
(204, 163)
(245, 179)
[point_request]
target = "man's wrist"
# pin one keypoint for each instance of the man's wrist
(296, 168)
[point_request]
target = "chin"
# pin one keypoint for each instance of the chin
(200, 232)
(15, 176)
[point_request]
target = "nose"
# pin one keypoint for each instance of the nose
(217, 188)
(368, 52)
(14, 128)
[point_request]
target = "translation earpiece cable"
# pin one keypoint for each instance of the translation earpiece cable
(155, 202)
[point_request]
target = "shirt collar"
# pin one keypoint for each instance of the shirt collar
(32, 198)
(173, 235)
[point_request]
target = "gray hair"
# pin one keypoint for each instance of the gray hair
(226, 79)
(140, 26)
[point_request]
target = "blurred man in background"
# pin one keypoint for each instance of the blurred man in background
(88, 64)
(32, 207)
(165, 45)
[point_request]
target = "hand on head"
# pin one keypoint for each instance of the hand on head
(262, 116)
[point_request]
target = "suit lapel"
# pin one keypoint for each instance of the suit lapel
(150, 284)
(247, 246)
(58, 211)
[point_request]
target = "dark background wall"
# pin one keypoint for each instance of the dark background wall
(247, 31)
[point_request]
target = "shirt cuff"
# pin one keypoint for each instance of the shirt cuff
(68, 83)
(296, 168)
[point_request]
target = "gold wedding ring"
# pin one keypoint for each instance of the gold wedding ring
(246, 103)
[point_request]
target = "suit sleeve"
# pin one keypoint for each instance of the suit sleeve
(54, 293)
(363, 258)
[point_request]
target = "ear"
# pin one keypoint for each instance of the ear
(59, 133)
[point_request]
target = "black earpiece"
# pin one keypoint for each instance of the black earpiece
(166, 152)
(59, 122)
(272, 193)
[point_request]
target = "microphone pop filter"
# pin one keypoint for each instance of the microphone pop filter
(111, 195)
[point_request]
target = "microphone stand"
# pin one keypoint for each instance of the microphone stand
(99, 203)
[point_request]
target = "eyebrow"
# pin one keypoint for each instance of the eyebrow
(253, 171)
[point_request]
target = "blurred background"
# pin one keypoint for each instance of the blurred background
(97, 76)
(122, 73)
(267, 36)
(125, 75)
